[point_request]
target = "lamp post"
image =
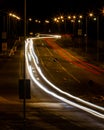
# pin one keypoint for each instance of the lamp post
(73, 21)
(28, 26)
(97, 38)
(86, 35)
(24, 18)
(12, 22)
(65, 23)
(24, 98)
(57, 21)
(102, 12)
(80, 25)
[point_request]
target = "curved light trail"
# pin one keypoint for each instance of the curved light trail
(31, 56)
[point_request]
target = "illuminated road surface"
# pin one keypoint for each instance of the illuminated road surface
(56, 98)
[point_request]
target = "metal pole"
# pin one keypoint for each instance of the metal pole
(65, 25)
(24, 18)
(97, 38)
(24, 100)
(86, 36)
(73, 27)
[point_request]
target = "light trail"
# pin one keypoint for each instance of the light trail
(29, 49)
(63, 53)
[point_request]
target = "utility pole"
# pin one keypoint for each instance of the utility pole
(24, 99)
(24, 18)
(97, 38)
(86, 40)
(24, 84)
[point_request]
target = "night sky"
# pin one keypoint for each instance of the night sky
(45, 9)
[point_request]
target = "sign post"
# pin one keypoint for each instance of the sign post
(24, 89)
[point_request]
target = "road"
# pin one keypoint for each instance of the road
(48, 108)
(45, 65)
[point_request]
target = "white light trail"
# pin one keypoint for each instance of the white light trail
(36, 63)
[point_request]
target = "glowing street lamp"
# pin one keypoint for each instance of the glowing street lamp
(74, 17)
(69, 17)
(30, 19)
(37, 21)
(91, 14)
(47, 21)
(12, 22)
(57, 21)
(61, 17)
(80, 20)
(14, 16)
(80, 16)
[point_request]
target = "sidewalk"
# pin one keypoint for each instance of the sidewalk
(11, 108)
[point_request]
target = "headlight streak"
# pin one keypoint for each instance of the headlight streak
(69, 95)
(59, 97)
(31, 48)
(34, 57)
(49, 36)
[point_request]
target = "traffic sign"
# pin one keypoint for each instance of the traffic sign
(24, 89)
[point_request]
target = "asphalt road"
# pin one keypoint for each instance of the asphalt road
(72, 75)
(43, 111)
(55, 71)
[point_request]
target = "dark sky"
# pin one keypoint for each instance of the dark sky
(49, 8)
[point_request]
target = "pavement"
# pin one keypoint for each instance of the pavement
(12, 115)
(10, 110)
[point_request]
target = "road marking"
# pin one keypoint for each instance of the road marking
(72, 76)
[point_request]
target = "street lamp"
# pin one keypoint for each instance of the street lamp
(73, 21)
(80, 20)
(57, 21)
(80, 25)
(13, 20)
(14, 16)
(24, 77)
(102, 12)
(86, 34)
(24, 19)
(97, 38)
